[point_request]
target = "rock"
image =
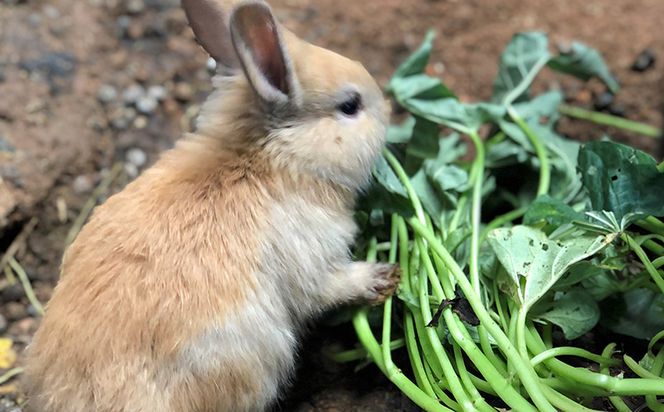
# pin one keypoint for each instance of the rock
(211, 65)
(23, 327)
(146, 105)
(51, 12)
(3, 324)
(136, 157)
(135, 6)
(107, 93)
(32, 311)
(617, 109)
(131, 170)
(644, 61)
(140, 122)
(122, 25)
(183, 92)
(12, 293)
(133, 93)
(8, 405)
(82, 184)
(5, 146)
(603, 100)
(157, 92)
(15, 311)
(54, 64)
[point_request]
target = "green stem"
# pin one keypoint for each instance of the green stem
(652, 271)
(27, 287)
(419, 397)
(540, 151)
(612, 385)
(572, 351)
(657, 366)
(498, 382)
(617, 401)
(610, 120)
(526, 373)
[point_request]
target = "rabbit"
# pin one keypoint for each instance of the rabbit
(189, 289)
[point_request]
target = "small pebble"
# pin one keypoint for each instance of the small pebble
(136, 157)
(140, 122)
(135, 6)
(15, 311)
(131, 170)
(617, 109)
(12, 293)
(644, 61)
(82, 184)
(157, 92)
(107, 93)
(5, 146)
(122, 25)
(183, 92)
(3, 324)
(603, 101)
(34, 19)
(133, 93)
(51, 12)
(32, 311)
(211, 65)
(8, 405)
(146, 105)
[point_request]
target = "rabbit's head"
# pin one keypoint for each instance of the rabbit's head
(307, 109)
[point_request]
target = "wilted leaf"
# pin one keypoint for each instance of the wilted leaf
(534, 262)
(584, 62)
(622, 180)
(576, 312)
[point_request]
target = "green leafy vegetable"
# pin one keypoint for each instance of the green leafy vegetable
(575, 312)
(622, 180)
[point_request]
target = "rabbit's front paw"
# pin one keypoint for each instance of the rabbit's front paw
(384, 281)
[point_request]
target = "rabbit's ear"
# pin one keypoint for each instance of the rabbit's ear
(209, 23)
(262, 53)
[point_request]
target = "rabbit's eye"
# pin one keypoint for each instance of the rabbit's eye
(351, 106)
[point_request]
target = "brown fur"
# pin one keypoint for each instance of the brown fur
(185, 291)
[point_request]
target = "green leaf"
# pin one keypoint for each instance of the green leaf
(584, 62)
(638, 313)
(420, 86)
(523, 57)
(417, 62)
(576, 312)
(387, 178)
(534, 262)
(401, 133)
(552, 211)
(441, 170)
(424, 141)
(578, 273)
(544, 105)
(622, 180)
(454, 114)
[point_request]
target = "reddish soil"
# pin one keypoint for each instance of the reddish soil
(67, 114)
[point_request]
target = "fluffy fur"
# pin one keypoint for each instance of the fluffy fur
(187, 290)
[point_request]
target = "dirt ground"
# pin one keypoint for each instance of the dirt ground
(87, 84)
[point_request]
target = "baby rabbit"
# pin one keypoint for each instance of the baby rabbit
(187, 290)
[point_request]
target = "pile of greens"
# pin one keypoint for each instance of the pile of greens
(514, 246)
